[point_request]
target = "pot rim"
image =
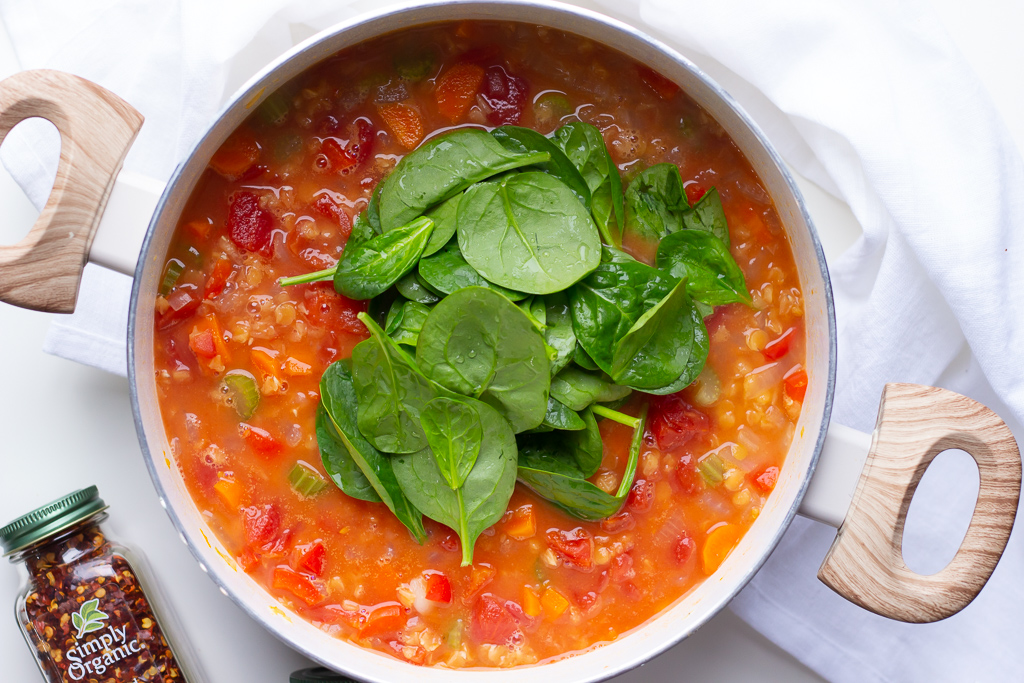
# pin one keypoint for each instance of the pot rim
(252, 90)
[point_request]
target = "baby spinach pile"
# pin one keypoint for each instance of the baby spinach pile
(505, 320)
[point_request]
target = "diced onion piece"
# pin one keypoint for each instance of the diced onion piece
(761, 380)
(245, 395)
(305, 480)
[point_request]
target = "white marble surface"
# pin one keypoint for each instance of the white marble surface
(65, 426)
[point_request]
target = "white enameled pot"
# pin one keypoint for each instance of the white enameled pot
(861, 484)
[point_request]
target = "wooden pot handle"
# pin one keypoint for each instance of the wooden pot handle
(865, 563)
(44, 270)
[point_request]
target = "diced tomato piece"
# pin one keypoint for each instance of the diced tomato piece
(260, 440)
(674, 422)
(641, 496)
(450, 542)
(404, 121)
(575, 547)
(201, 343)
(236, 156)
(337, 159)
(387, 617)
(314, 558)
(456, 89)
(619, 522)
(690, 481)
(665, 88)
(247, 560)
(684, 548)
(182, 304)
(796, 383)
(492, 622)
(766, 479)
(480, 575)
(218, 278)
(286, 578)
(694, 192)
(587, 600)
(779, 347)
(327, 309)
(250, 226)
(343, 156)
(438, 587)
(505, 94)
(621, 569)
(261, 523)
(327, 207)
(360, 144)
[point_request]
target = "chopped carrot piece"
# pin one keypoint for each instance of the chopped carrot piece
(554, 603)
(796, 383)
(523, 523)
(202, 344)
(404, 121)
(480, 576)
(385, 618)
(531, 603)
(238, 154)
(218, 337)
(294, 366)
(301, 587)
(218, 278)
(718, 545)
(265, 360)
(200, 229)
(457, 88)
(665, 88)
(229, 490)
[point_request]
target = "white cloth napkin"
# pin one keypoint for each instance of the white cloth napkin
(869, 99)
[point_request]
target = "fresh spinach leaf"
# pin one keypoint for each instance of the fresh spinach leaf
(443, 216)
(656, 203)
(558, 334)
(340, 465)
(483, 496)
(553, 474)
(373, 210)
(478, 343)
(584, 145)
(607, 303)
(559, 416)
(529, 233)
(339, 403)
(534, 309)
(704, 261)
(414, 289)
(585, 445)
(441, 168)
(707, 214)
(373, 266)
(525, 140)
(447, 272)
(454, 434)
(578, 389)
(362, 230)
(391, 392)
(405, 320)
(697, 361)
(662, 347)
(583, 359)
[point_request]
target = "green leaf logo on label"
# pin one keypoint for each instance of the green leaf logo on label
(88, 619)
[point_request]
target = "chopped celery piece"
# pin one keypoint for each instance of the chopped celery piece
(712, 469)
(415, 66)
(274, 109)
(245, 395)
(305, 480)
(171, 274)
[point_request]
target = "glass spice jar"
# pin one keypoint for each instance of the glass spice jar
(85, 609)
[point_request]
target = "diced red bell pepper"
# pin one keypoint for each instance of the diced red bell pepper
(247, 560)
(665, 88)
(492, 622)
(313, 558)
(674, 422)
(286, 578)
(261, 523)
(182, 304)
(684, 548)
(796, 383)
(218, 278)
(437, 587)
(456, 89)
(505, 94)
(779, 347)
(201, 343)
(344, 156)
(641, 496)
(388, 617)
(766, 479)
(694, 192)
(250, 226)
(260, 440)
(575, 547)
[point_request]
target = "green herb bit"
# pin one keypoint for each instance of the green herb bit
(712, 469)
(274, 109)
(173, 271)
(244, 394)
(305, 480)
(616, 416)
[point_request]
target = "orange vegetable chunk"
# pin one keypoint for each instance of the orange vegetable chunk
(404, 121)
(718, 545)
(456, 89)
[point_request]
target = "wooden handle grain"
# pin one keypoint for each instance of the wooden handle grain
(865, 563)
(44, 270)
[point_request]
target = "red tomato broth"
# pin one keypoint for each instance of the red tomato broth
(543, 584)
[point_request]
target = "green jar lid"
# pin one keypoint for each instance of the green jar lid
(318, 674)
(50, 519)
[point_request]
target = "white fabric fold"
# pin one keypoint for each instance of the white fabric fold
(868, 99)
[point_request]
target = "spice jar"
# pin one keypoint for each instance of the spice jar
(86, 611)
